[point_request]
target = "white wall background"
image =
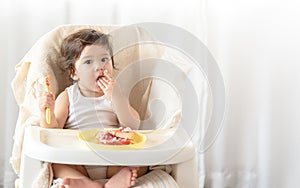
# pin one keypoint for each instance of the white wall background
(256, 45)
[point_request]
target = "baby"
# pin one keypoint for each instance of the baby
(90, 103)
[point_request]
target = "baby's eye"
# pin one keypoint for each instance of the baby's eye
(88, 62)
(105, 59)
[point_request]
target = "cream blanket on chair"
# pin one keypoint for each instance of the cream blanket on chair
(42, 60)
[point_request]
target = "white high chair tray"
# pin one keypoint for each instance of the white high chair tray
(63, 146)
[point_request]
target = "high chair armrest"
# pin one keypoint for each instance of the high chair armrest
(64, 146)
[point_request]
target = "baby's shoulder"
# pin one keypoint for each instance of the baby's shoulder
(63, 96)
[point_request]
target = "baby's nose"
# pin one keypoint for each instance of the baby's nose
(100, 65)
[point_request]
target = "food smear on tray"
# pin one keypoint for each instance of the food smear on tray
(121, 136)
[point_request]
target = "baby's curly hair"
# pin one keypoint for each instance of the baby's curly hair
(73, 45)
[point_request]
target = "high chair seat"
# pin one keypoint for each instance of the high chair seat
(35, 148)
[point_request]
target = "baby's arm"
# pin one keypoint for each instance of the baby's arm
(59, 110)
(127, 116)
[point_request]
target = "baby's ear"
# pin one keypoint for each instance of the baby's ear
(73, 75)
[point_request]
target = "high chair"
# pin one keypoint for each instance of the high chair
(159, 106)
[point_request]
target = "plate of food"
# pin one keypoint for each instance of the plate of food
(110, 138)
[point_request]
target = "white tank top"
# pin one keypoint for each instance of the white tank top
(89, 112)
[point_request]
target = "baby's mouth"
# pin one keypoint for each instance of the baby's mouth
(99, 77)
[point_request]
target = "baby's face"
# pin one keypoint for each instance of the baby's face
(91, 64)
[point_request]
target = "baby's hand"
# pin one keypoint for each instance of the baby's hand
(106, 83)
(47, 100)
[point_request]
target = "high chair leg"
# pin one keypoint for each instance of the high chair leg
(186, 173)
(30, 170)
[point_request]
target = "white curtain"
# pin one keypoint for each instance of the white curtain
(256, 45)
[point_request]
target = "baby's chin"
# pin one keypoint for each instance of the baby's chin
(98, 91)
